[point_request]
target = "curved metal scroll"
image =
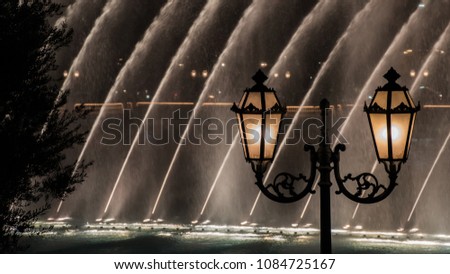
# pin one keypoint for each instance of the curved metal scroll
(368, 188)
(283, 188)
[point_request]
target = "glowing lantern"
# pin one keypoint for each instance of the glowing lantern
(259, 116)
(391, 115)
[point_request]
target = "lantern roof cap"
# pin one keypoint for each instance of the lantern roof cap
(392, 75)
(259, 77)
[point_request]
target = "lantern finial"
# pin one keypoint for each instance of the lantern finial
(391, 75)
(259, 77)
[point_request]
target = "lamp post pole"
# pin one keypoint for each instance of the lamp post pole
(324, 158)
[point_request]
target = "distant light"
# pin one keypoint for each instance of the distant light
(263, 64)
(276, 75)
(110, 220)
(194, 222)
(223, 64)
(287, 74)
(181, 65)
(76, 74)
(244, 222)
(65, 73)
(220, 92)
(62, 219)
(346, 227)
(253, 224)
(441, 52)
(408, 51)
(159, 220)
(146, 221)
(211, 96)
(358, 227)
(413, 230)
(412, 73)
(307, 225)
(370, 97)
(426, 73)
(440, 95)
(124, 91)
(421, 5)
(193, 73)
(294, 225)
(50, 219)
(98, 220)
(147, 96)
(422, 87)
(205, 73)
(310, 77)
(400, 229)
(206, 222)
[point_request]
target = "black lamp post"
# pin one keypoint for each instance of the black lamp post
(391, 115)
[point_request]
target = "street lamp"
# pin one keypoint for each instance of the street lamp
(391, 116)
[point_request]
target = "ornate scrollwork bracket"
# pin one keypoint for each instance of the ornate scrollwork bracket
(367, 188)
(286, 188)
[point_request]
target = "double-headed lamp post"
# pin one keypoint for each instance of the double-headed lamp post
(391, 115)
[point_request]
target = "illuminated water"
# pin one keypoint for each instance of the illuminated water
(164, 238)
(187, 60)
(208, 12)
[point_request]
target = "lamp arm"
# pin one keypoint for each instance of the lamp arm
(283, 189)
(368, 189)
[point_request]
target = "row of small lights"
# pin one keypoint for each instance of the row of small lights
(426, 73)
(76, 74)
(147, 96)
(287, 74)
(410, 51)
(412, 73)
(205, 73)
